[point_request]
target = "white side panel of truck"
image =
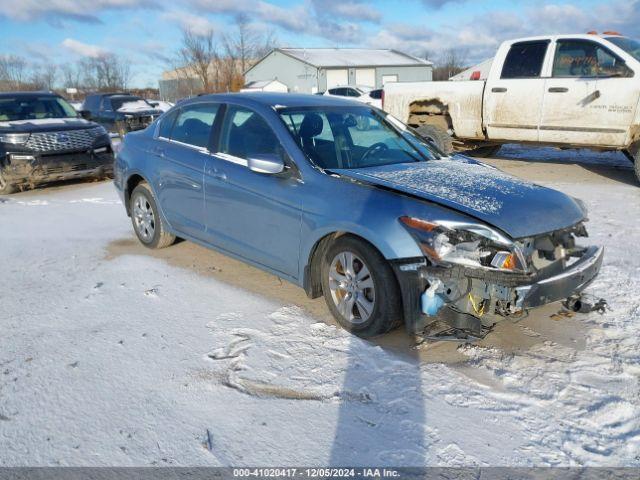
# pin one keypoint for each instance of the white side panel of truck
(584, 106)
(462, 101)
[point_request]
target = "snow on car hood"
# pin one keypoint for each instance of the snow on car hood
(49, 122)
(136, 107)
(517, 207)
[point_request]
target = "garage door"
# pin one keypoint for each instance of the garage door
(366, 77)
(337, 77)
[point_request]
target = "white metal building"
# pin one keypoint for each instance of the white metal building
(311, 70)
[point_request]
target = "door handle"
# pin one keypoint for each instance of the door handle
(558, 90)
(217, 174)
(498, 89)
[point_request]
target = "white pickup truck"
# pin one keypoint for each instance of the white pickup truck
(564, 90)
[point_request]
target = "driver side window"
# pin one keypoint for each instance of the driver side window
(582, 58)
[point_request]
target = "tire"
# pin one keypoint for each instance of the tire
(634, 155)
(484, 152)
(374, 300)
(148, 224)
(6, 188)
(438, 136)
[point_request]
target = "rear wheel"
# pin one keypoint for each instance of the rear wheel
(360, 288)
(147, 221)
(6, 188)
(438, 135)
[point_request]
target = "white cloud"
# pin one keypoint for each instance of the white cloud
(52, 10)
(198, 24)
(83, 49)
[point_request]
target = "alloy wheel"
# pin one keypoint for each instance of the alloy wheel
(143, 218)
(352, 287)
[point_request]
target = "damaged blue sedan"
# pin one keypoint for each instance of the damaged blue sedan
(349, 203)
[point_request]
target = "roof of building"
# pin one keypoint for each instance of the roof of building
(351, 57)
(260, 83)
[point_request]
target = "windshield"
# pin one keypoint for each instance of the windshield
(129, 102)
(629, 45)
(34, 108)
(352, 137)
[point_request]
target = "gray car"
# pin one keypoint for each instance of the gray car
(378, 221)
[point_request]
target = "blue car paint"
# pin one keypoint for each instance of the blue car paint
(274, 222)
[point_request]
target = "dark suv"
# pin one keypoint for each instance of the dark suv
(119, 112)
(42, 139)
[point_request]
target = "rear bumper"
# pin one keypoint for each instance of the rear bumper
(23, 168)
(521, 291)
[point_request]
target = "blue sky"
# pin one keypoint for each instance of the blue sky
(147, 32)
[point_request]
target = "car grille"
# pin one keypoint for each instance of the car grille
(64, 141)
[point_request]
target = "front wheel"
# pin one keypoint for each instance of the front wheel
(634, 156)
(360, 288)
(147, 221)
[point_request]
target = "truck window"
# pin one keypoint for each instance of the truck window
(525, 60)
(582, 58)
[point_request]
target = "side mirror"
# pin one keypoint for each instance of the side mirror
(153, 104)
(86, 114)
(268, 163)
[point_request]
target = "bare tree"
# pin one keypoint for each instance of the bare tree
(106, 72)
(43, 77)
(13, 72)
(198, 56)
(450, 63)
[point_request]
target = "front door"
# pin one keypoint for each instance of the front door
(181, 151)
(253, 215)
(587, 99)
(513, 101)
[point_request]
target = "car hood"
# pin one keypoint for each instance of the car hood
(517, 207)
(45, 125)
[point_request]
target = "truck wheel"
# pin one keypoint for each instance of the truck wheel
(438, 136)
(6, 188)
(484, 152)
(360, 288)
(634, 155)
(148, 224)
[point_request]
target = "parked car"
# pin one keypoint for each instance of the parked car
(119, 112)
(382, 224)
(358, 92)
(42, 139)
(564, 90)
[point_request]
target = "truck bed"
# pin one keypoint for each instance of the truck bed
(411, 102)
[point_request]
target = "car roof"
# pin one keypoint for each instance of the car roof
(276, 99)
(27, 94)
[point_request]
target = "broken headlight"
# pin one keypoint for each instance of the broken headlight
(460, 243)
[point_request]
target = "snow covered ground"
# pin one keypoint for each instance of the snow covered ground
(128, 360)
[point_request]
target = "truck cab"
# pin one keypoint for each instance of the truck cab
(566, 89)
(579, 90)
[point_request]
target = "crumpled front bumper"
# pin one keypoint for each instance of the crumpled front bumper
(25, 168)
(570, 281)
(527, 292)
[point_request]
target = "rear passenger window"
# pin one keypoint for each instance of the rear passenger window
(166, 124)
(246, 134)
(524, 60)
(193, 124)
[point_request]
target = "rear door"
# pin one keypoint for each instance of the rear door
(253, 215)
(589, 99)
(181, 152)
(513, 96)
